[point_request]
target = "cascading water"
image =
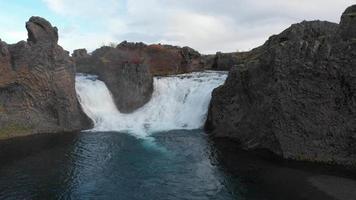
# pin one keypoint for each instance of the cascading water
(178, 102)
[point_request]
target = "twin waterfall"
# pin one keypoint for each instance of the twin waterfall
(178, 102)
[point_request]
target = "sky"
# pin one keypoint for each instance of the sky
(205, 25)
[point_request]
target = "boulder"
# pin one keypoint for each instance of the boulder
(294, 96)
(37, 85)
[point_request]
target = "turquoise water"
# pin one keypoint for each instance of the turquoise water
(174, 165)
(112, 165)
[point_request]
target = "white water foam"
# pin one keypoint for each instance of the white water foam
(178, 102)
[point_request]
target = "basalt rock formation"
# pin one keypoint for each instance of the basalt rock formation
(160, 59)
(128, 69)
(295, 95)
(37, 85)
(126, 76)
(223, 61)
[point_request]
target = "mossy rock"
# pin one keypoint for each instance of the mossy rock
(353, 14)
(13, 130)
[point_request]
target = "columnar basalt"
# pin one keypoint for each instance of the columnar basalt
(37, 79)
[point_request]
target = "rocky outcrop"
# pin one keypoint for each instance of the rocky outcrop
(295, 95)
(160, 59)
(37, 85)
(348, 24)
(80, 53)
(223, 61)
(126, 76)
(163, 59)
(129, 69)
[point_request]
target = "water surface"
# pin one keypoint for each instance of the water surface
(112, 165)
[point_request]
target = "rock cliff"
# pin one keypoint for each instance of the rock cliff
(37, 85)
(126, 76)
(295, 95)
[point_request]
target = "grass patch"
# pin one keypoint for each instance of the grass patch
(12, 130)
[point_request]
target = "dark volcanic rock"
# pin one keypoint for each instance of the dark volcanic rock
(348, 23)
(294, 96)
(129, 68)
(126, 76)
(223, 61)
(164, 59)
(80, 53)
(37, 85)
(160, 59)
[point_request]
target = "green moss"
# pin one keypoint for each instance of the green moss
(304, 158)
(13, 130)
(351, 14)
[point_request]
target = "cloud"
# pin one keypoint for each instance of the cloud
(84, 8)
(206, 25)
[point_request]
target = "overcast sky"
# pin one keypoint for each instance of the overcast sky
(206, 25)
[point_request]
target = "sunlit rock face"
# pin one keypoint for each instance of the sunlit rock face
(295, 95)
(37, 85)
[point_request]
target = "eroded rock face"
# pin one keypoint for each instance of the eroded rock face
(127, 77)
(294, 96)
(223, 61)
(160, 59)
(37, 85)
(41, 31)
(80, 53)
(128, 69)
(348, 24)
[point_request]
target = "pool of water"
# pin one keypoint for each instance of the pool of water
(112, 165)
(170, 165)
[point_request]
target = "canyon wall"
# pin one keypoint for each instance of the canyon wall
(295, 95)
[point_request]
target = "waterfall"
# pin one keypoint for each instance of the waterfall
(178, 102)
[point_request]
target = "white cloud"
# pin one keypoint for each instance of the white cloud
(206, 25)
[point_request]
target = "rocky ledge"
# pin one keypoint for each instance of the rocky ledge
(295, 95)
(37, 85)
